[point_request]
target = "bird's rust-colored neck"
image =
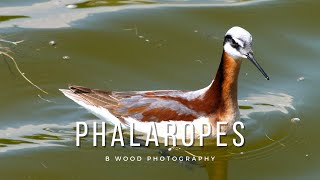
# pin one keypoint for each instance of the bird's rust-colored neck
(224, 89)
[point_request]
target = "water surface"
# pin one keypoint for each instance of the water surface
(140, 45)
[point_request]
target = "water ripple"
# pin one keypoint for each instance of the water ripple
(59, 14)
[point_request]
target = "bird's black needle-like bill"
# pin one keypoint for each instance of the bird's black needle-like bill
(253, 60)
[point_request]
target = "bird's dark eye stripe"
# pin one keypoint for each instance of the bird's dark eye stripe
(233, 43)
(227, 38)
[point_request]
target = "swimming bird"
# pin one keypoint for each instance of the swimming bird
(215, 103)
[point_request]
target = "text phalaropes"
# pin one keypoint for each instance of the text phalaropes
(215, 103)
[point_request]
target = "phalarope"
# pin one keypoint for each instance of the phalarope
(215, 103)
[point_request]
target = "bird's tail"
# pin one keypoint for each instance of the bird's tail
(85, 98)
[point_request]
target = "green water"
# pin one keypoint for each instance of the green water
(140, 45)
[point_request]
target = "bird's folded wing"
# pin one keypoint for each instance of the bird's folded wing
(143, 106)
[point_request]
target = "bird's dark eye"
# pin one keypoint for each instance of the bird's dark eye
(233, 41)
(234, 44)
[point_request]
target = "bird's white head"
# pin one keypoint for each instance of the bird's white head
(238, 44)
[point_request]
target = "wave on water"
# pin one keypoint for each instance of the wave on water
(60, 14)
(269, 126)
(32, 136)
